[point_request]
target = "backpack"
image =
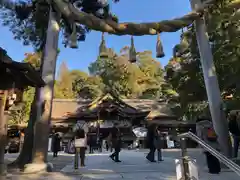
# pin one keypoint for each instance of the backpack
(80, 133)
(211, 135)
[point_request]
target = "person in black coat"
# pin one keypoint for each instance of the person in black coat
(205, 131)
(116, 143)
(150, 143)
(234, 128)
(92, 139)
(56, 145)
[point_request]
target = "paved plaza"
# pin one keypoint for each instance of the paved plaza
(133, 166)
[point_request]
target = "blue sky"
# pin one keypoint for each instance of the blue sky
(127, 11)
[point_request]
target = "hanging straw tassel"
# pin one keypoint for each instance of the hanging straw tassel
(159, 47)
(73, 38)
(132, 52)
(103, 48)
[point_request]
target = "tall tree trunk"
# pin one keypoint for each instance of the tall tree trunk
(44, 107)
(35, 145)
(3, 131)
(25, 156)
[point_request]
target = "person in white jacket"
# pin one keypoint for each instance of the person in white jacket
(80, 143)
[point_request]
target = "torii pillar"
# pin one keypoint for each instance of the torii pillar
(211, 83)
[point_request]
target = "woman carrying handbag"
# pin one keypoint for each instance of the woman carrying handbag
(80, 144)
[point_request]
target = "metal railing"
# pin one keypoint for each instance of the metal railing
(228, 162)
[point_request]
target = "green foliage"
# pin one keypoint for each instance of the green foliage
(19, 113)
(34, 59)
(89, 88)
(187, 78)
(63, 86)
(28, 97)
(141, 80)
(113, 73)
(28, 20)
(152, 79)
(76, 84)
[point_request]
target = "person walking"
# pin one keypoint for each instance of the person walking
(56, 144)
(205, 131)
(116, 143)
(234, 128)
(100, 143)
(106, 145)
(22, 135)
(150, 143)
(159, 144)
(109, 141)
(80, 143)
(92, 139)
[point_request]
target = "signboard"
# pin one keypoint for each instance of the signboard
(110, 123)
(107, 123)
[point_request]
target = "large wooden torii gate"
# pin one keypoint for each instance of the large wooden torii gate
(61, 8)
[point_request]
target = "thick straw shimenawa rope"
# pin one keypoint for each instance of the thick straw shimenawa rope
(136, 29)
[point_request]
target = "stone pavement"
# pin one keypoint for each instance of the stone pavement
(58, 163)
(133, 166)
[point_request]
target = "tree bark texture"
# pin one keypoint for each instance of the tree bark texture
(44, 104)
(25, 156)
(3, 131)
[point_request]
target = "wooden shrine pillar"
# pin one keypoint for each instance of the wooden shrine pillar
(3, 130)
